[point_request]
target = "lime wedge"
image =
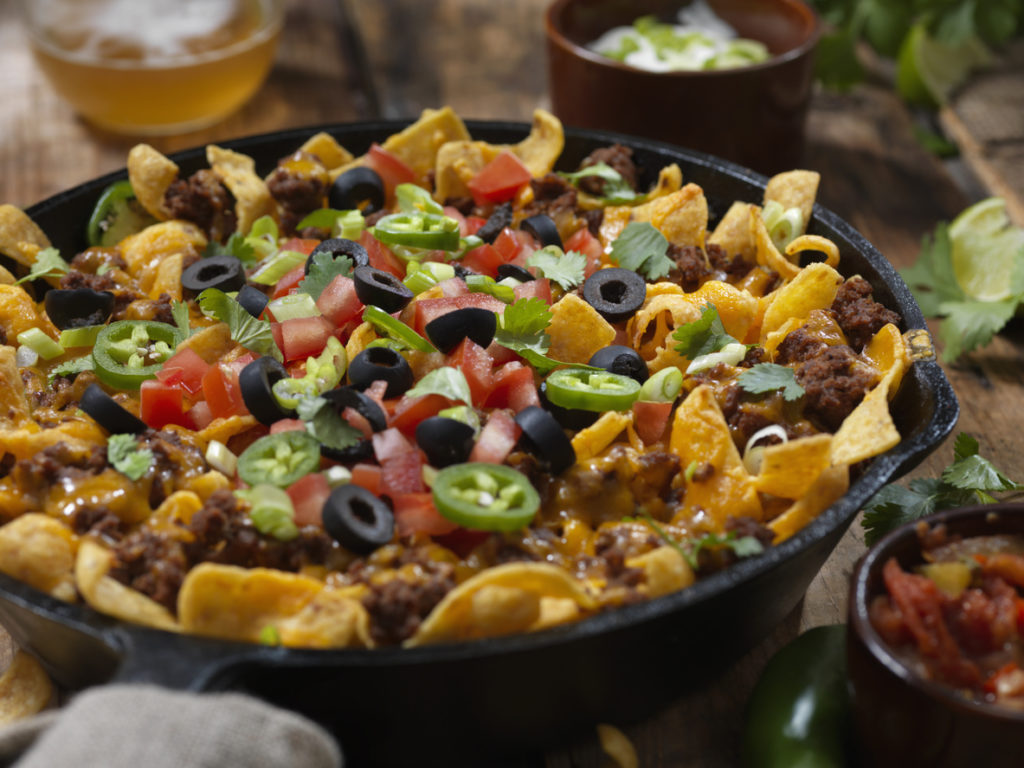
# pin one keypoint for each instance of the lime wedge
(928, 70)
(986, 249)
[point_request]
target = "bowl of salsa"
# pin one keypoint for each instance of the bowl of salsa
(936, 641)
(729, 77)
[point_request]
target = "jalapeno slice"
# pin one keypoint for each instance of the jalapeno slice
(117, 214)
(128, 352)
(485, 497)
(395, 329)
(432, 231)
(279, 459)
(591, 390)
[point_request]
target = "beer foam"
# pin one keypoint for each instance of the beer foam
(141, 29)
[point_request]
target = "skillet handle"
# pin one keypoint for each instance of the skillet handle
(183, 662)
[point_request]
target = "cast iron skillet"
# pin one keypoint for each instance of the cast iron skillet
(455, 703)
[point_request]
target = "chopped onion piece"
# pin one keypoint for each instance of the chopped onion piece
(730, 354)
(753, 453)
(220, 457)
(338, 475)
(25, 357)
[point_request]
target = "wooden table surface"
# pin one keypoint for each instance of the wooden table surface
(357, 59)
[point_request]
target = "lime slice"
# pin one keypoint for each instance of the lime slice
(928, 70)
(986, 249)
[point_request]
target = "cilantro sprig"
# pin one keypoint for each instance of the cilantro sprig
(966, 324)
(252, 333)
(235, 246)
(48, 263)
(690, 548)
(643, 249)
(125, 455)
(522, 327)
(327, 425)
(970, 479)
(704, 336)
(768, 377)
(614, 189)
(565, 268)
(322, 270)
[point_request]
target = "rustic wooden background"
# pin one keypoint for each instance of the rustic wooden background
(357, 59)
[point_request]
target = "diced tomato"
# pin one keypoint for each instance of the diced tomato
(512, 243)
(401, 463)
(410, 411)
(501, 355)
(390, 444)
(453, 286)
(484, 259)
(367, 476)
(513, 388)
(287, 425)
(338, 301)
(497, 438)
(198, 417)
(389, 167)
(308, 495)
(462, 541)
(426, 310)
(539, 288)
(381, 256)
(184, 367)
(300, 244)
(499, 180)
(650, 420)
(289, 282)
(222, 391)
(415, 513)
(473, 224)
(476, 365)
(160, 404)
(584, 242)
(301, 337)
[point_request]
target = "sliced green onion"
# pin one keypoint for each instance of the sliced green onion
(80, 337)
(220, 457)
(730, 354)
(264, 226)
(36, 340)
(421, 276)
(465, 414)
(271, 511)
(269, 635)
(338, 475)
(488, 285)
(293, 306)
(753, 454)
(662, 387)
(277, 266)
(349, 225)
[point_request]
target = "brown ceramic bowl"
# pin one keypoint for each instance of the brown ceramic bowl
(752, 115)
(900, 718)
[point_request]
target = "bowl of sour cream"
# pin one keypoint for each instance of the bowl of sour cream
(732, 78)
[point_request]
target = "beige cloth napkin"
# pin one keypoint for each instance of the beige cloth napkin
(131, 726)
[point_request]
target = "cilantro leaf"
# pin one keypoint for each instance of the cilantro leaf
(969, 325)
(768, 377)
(614, 188)
(931, 278)
(970, 479)
(126, 457)
(704, 336)
(745, 546)
(566, 268)
(445, 381)
(48, 263)
(322, 270)
(235, 246)
(70, 368)
(252, 333)
(327, 425)
(643, 249)
(179, 311)
(523, 325)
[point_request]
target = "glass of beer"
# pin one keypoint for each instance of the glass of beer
(152, 67)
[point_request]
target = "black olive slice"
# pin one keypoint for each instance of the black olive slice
(497, 221)
(357, 186)
(347, 397)
(542, 227)
(221, 271)
(108, 413)
(615, 293)
(380, 364)
(515, 272)
(544, 437)
(380, 288)
(447, 331)
(339, 246)
(252, 299)
(622, 360)
(256, 382)
(445, 441)
(358, 520)
(78, 307)
(570, 418)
